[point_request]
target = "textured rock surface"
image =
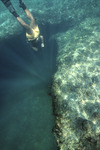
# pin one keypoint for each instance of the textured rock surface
(77, 87)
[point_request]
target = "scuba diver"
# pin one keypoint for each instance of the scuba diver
(32, 31)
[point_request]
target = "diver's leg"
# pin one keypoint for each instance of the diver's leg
(29, 15)
(10, 7)
(27, 27)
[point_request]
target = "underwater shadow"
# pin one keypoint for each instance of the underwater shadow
(59, 27)
(19, 63)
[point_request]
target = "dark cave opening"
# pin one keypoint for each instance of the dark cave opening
(25, 78)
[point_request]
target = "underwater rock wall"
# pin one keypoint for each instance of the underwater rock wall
(76, 87)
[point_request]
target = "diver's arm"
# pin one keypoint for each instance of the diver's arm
(42, 40)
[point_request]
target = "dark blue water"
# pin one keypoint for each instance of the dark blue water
(26, 115)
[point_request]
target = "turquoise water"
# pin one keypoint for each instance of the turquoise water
(68, 65)
(26, 113)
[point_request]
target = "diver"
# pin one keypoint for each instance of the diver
(32, 31)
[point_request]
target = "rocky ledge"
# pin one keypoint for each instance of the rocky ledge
(76, 87)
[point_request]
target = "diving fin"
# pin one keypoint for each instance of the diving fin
(10, 7)
(22, 5)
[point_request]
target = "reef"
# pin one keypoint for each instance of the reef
(76, 87)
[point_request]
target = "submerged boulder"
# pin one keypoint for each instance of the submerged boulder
(76, 87)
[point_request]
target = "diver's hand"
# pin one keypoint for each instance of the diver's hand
(42, 44)
(42, 41)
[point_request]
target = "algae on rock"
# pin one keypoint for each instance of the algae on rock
(77, 87)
